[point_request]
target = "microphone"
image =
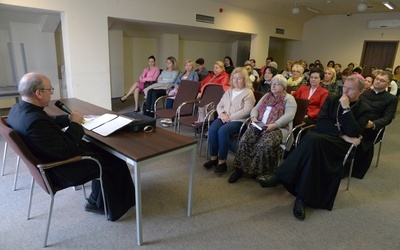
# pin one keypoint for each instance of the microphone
(64, 108)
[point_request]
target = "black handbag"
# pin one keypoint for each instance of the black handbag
(148, 83)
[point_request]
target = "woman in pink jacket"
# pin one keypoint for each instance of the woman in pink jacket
(149, 74)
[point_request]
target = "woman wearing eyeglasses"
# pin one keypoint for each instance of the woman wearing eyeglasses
(233, 109)
(296, 80)
(257, 152)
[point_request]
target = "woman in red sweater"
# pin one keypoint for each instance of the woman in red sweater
(217, 76)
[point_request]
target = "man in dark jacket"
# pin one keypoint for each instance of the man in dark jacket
(44, 136)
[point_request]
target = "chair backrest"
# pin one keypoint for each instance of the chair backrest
(188, 90)
(258, 95)
(211, 93)
(302, 105)
(18, 145)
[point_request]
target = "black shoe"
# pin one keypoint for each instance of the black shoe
(210, 164)
(268, 181)
(122, 100)
(236, 175)
(93, 209)
(299, 209)
(137, 110)
(221, 168)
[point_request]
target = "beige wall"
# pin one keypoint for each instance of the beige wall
(339, 38)
(85, 33)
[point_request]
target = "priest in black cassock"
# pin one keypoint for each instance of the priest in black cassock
(44, 136)
(312, 172)
(383, 106)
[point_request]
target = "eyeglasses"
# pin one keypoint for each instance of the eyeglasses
(295, 71)
(380, 80)
(49, 89)
(275, 84)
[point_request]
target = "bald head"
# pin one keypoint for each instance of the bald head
(31, 82)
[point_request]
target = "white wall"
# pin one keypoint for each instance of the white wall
(339, 38)
(116, 62)
(85, 34)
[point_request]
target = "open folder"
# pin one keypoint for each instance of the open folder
(106, 124)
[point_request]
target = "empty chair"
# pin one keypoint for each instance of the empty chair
(211, 96)
(39, 170)
(188, 91)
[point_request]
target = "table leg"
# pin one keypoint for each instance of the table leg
(191, 176)
(138, 197)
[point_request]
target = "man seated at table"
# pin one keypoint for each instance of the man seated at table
(312, 172)
(44, 137)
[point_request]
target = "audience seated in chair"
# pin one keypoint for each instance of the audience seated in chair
(217, 76)
(312, 172)
(314, 93)
(233, 109)
(149, 74)
(296, 80)
(264, 84)
(329, 81)
(188, 74)
(44, 137)
(165, 81)
(257, 152)
(383, 106)
(201, 71)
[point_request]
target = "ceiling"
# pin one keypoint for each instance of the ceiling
(283, 8)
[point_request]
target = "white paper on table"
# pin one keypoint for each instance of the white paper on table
(113, 125)
(89, 125)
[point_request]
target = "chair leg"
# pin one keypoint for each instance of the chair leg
(4, 158)
(84, 191)
(16, 173)
(48, 220)
(30, 199)
(350, 172)
(379, 154)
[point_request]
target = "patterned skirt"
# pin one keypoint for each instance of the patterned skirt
(257, 153)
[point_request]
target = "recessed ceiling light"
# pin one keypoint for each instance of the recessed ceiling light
(388, 5)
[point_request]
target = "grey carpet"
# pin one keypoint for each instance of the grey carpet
(225, 216)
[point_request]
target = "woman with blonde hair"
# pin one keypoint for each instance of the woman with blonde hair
(296, 80)
(217, 76)
(329, 81)
(287, 73)
(233, 109)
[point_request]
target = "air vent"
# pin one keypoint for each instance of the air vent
(204, 19)
(279, 31)
(389, 24)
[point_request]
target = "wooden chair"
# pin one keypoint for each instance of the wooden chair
(39, 171)
(188, 91)
(211, 96)
(298, 123)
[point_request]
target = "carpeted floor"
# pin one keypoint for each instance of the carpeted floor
(225, 216)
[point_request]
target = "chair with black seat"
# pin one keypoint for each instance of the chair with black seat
(39, 171)
(209, 100)
(188, 91)
(298, 123)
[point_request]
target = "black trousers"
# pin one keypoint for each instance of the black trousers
(152, 96)
(117, 181)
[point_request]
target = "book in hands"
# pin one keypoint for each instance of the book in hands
(107, 124)
(259, 125)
